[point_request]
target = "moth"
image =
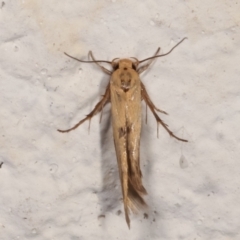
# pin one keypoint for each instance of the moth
(126, 91)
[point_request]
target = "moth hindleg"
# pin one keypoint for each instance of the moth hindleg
(146, 96)
(99, 106)
(152, 107)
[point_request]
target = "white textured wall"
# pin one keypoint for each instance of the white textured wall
(57, 186)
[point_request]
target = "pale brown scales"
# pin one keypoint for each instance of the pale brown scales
(125, 91)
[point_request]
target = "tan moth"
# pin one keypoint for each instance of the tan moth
(125, 91)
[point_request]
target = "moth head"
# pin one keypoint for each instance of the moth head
(125, 71)
(124, 63)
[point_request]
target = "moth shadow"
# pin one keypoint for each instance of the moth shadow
(153, 213)
(146, 160)
(110, 193)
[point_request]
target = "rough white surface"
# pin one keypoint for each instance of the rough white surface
(65, 186)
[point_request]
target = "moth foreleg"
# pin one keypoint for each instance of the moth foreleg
(103, 68)
(97, 108)
(145, 67)
(152, 107)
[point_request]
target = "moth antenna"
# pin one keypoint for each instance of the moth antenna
(134, 59)
(95, 61)
(145, 67)
(161, 55)
(114, 59)
(103, 68)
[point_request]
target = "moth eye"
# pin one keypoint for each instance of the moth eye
(116, 66)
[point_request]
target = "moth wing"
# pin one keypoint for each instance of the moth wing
(120, 142)
(126, 123)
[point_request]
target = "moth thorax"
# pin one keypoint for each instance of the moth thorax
(125, 76)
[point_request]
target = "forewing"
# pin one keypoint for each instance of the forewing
(126, 122)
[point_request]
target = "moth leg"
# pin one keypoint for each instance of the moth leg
(144, 67)
(158, 119)
(103, 68)
(147, 99)
(97, 108)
